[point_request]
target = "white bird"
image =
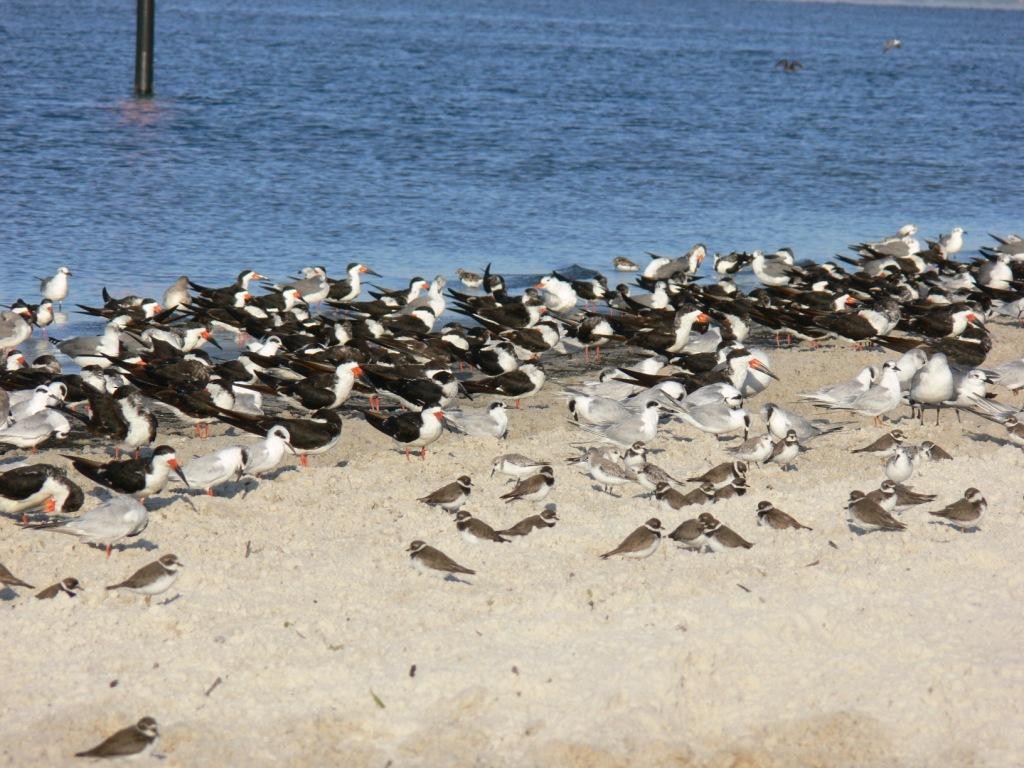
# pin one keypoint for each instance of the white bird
(215, 468)
(36, 429)
(641, 427)
(1011, 375)
(95, 350)
(55, 288)
(844, 391)
(756, 450)
(491, 421)
(719, 418)
(267, 454)
(116, 519)
(559, 295)
(43, 396)
(13, 330)
(596, 409)
(879, 398)
(780, 421)
(910, 363)
(932, 385)
(899, 467)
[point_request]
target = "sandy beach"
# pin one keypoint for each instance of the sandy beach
(301, 636)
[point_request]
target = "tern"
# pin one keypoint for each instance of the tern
(113, 521)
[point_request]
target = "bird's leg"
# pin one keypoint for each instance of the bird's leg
(406, 454)
(597, 354)
(148, 598)
(517, 403)
(423, 453)
(209, 491)
(303, 460)
(109, 547)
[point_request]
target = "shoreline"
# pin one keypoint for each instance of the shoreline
(887, 649)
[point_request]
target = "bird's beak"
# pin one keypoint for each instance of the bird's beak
(440, 415)
(850, 301)
(357, 371)
(209, 338)
(538, 285)
(289, 447)
(50, 506)
(176, 466)
(369, 271)
(757, 365)
(703, 317)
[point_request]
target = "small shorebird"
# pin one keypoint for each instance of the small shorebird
(425, 558)
(640, 543)
(152, 579)
(133, 741)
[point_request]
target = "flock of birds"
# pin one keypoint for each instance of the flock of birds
(311, 350)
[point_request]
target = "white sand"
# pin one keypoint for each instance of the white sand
(887, 650)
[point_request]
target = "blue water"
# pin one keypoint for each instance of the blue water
(422, 136)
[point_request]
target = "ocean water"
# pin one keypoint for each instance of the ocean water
(423, 136)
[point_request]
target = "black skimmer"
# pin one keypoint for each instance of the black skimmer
(309, 436)
(416, 429)
(33, 485)
(136, 477)
(348, 289)
(526, 381)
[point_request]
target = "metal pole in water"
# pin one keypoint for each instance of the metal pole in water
(145, 14)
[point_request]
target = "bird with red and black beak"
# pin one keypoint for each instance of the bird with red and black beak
(412, 430)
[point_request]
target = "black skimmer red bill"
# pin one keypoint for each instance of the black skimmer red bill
(137, 477)
(315, 434)
(524, 382)
(38, 485)
(413, 429)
